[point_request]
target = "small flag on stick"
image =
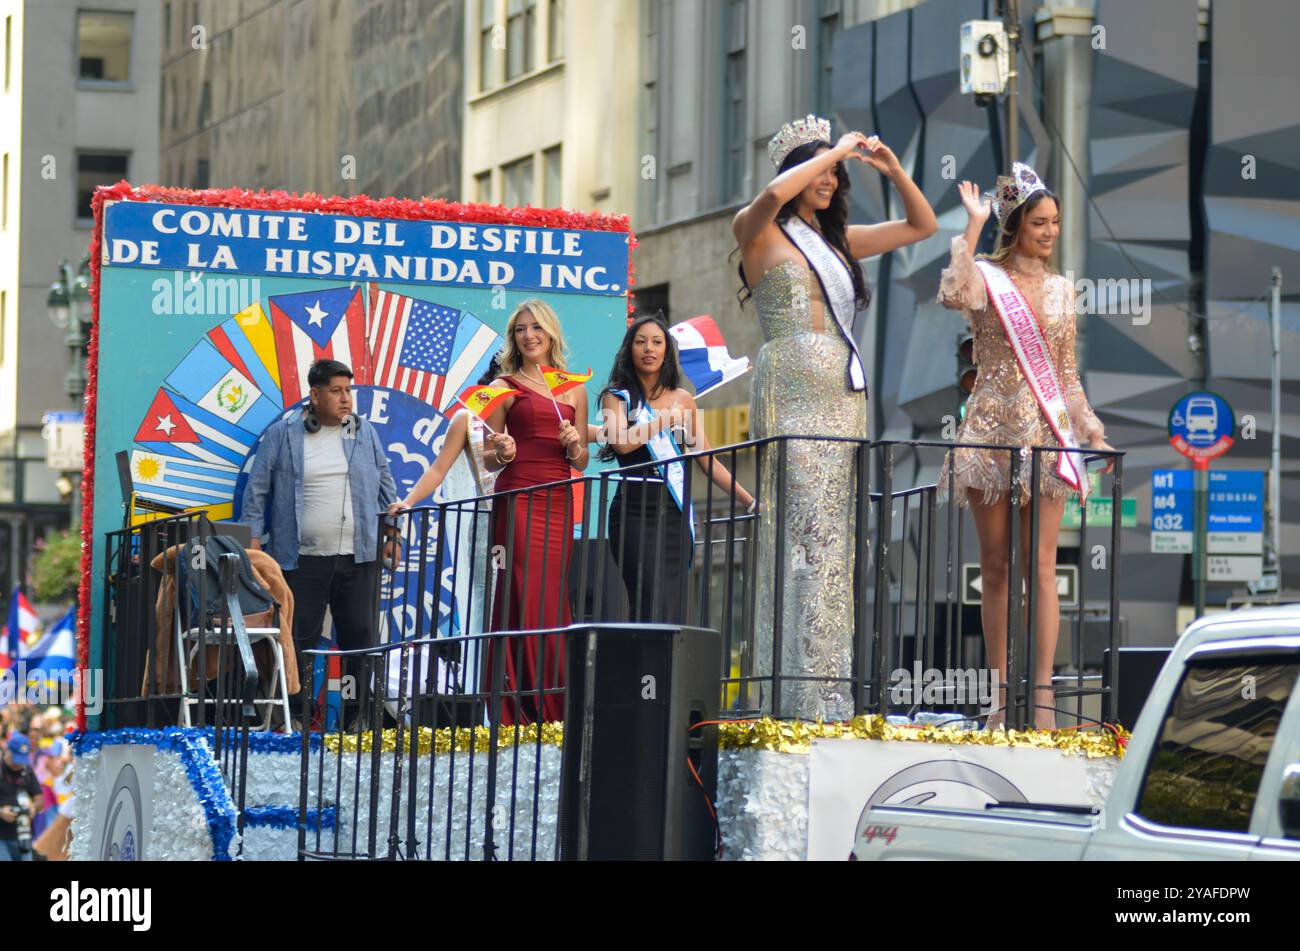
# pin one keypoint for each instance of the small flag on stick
(482, 401)
(561, 381)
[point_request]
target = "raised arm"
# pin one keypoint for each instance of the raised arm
(761, 212)
(867, 241)
(960, 285)
(452, 446)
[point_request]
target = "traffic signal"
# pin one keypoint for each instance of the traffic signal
(966, 369)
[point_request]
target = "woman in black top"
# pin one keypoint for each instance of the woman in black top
(648, 416)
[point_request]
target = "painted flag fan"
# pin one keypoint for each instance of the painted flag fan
(704, 355)
(561, 381)
(483, 400)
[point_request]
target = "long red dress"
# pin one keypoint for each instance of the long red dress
(534, 592)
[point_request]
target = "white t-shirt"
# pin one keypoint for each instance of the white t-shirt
(328, 523)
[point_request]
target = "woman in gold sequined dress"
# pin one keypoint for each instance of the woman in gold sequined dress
(1003, 410)
(800, 263)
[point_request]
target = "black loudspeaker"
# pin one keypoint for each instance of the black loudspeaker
(627, 792)
(1138, 669)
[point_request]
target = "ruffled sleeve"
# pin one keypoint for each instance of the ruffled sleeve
(960, 285)
(1084, 421)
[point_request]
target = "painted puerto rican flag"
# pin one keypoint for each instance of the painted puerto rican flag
(703, 354)
(318, 325)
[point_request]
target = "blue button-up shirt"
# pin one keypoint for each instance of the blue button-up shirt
(277, 473)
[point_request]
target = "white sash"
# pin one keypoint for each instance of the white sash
(663, 446)
(1035, 359)
(837, 288)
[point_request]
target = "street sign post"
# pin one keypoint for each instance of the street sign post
(64, 434)
(1201, 427)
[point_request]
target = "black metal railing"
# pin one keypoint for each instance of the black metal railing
(433, 762)
(822, 570)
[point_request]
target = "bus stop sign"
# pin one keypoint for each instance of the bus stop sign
(1201, 425)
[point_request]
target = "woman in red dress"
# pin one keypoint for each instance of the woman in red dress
(533, 530)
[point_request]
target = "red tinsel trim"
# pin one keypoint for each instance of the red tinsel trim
(361, 206)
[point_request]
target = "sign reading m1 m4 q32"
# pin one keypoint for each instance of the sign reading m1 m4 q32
(1234, 519)
(212, 306)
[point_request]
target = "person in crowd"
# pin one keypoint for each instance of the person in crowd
(800, 262)
(1006, 408)
(324, 473)
(20, 799)
(534, 529)
(648, 417)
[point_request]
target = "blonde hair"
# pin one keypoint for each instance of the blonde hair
(512, 360)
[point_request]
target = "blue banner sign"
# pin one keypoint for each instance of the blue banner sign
(1234, 514)
(242, 241)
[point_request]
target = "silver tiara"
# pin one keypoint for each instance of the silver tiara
(794, 134)
(1010, 191)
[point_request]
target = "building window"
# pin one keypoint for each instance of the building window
(521, 34)
(104, 46)
(202, 173)
(828, 23)
(552, 194)
(1214, 744)
(486, 54)
(483, 187)
(735, 14)
(4, 197)
(205, 104)
(95, 169)
(9, 47)
(4, 322)
(167, 26)
(517, 179)
(555, 31)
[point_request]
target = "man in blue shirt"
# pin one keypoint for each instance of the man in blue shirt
(325, 474)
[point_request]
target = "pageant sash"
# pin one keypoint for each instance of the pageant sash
(1035, 358)
(837, 288)
(663, 447)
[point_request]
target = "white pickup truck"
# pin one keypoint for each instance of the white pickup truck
(1212, 770)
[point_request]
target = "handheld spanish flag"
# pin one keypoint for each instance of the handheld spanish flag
(482, 401)
(561, 381)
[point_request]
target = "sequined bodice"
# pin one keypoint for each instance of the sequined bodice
(789, 302)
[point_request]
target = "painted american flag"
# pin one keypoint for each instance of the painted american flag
(411, 343)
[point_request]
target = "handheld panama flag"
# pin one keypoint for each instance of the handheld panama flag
(704, 355)
(482, 401)
(561, 381)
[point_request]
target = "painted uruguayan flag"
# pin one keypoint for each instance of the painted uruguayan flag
(181, 482)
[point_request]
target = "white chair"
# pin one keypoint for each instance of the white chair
(188, 644)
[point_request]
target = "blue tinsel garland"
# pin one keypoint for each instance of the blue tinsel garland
(286, 817)
(204, 776)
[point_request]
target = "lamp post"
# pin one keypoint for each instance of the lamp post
(69, 310)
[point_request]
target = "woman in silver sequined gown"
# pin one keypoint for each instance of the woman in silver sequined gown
(800, 388)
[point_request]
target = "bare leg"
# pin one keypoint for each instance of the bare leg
(1047, 605)
(992, 525)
